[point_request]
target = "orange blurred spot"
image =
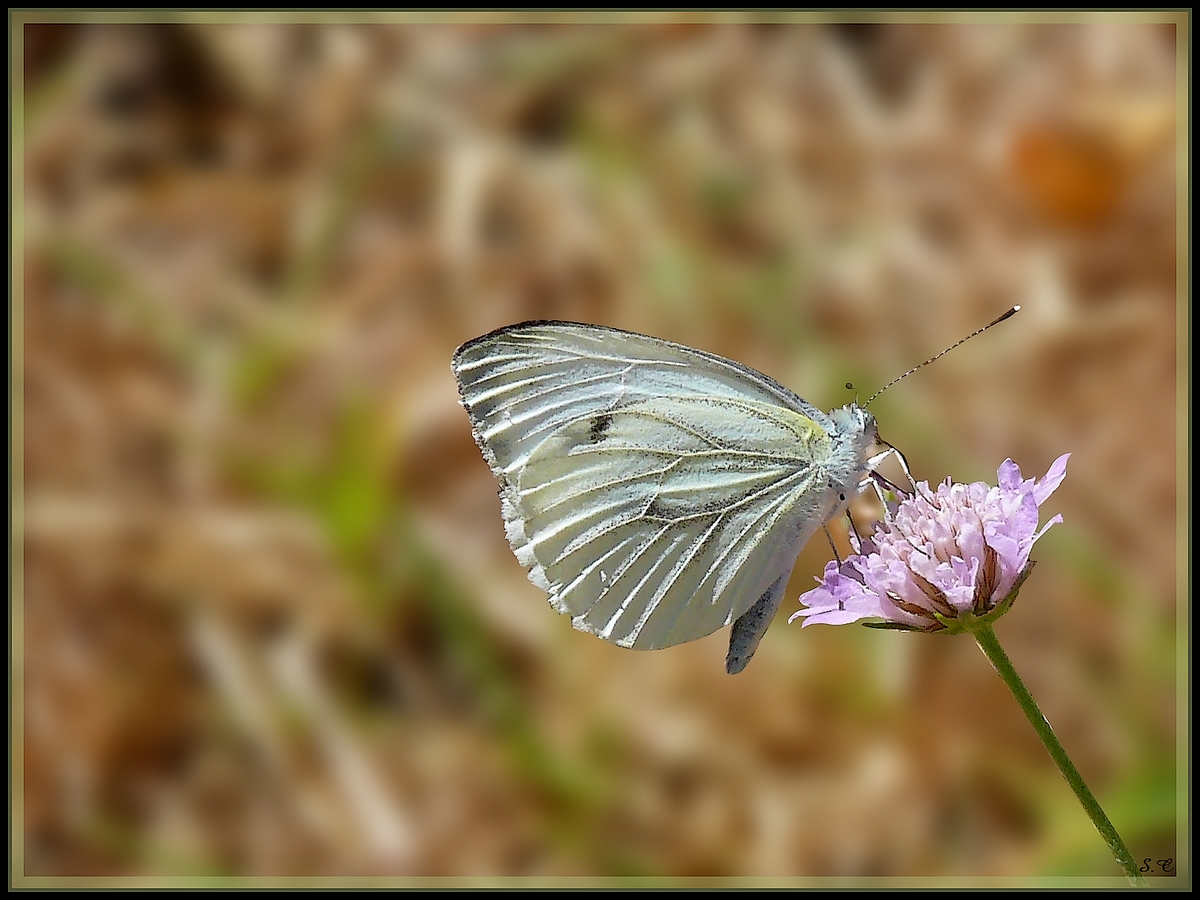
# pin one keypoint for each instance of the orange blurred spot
(1073, 178)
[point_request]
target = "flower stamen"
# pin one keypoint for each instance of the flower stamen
(985, 584)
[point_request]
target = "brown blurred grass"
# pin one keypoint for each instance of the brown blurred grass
(271, 623)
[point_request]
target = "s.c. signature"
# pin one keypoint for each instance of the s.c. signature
(1166, 866)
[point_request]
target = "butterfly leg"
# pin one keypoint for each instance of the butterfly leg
(853, 535)
(879, 482)
(875, 460)
(832, 545)
(751, 625)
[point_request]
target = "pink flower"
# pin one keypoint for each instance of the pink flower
(959, 553)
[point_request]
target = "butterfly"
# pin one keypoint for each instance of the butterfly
(657, 493)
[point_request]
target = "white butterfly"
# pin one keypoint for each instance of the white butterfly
(657, 492)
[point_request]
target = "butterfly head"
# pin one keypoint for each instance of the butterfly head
(856, 425)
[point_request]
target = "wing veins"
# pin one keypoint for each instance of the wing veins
(625, 603)
(500, 390)
(559, 527)
(550, 422)
(640, 476)
(718, 591)
(602, 528)
(772, 512)
(749, 498)
(535, 395)
(578, 579)
(672, 578)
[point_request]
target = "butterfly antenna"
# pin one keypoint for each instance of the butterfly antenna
(997, 321)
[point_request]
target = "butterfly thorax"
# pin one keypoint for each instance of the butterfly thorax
(855, 435)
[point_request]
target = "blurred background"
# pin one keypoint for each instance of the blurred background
(271, 623)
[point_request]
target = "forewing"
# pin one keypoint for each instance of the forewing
(653, 493)
(521, 383)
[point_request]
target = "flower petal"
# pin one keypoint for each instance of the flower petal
(1058, 518)
(1054, 477)
(833, 616)
(1009, 476)
(938, 555)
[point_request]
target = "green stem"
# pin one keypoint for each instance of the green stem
(991, 648)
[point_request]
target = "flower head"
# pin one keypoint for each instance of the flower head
(959, 552)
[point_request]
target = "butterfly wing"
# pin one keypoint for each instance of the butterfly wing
(655, 491)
